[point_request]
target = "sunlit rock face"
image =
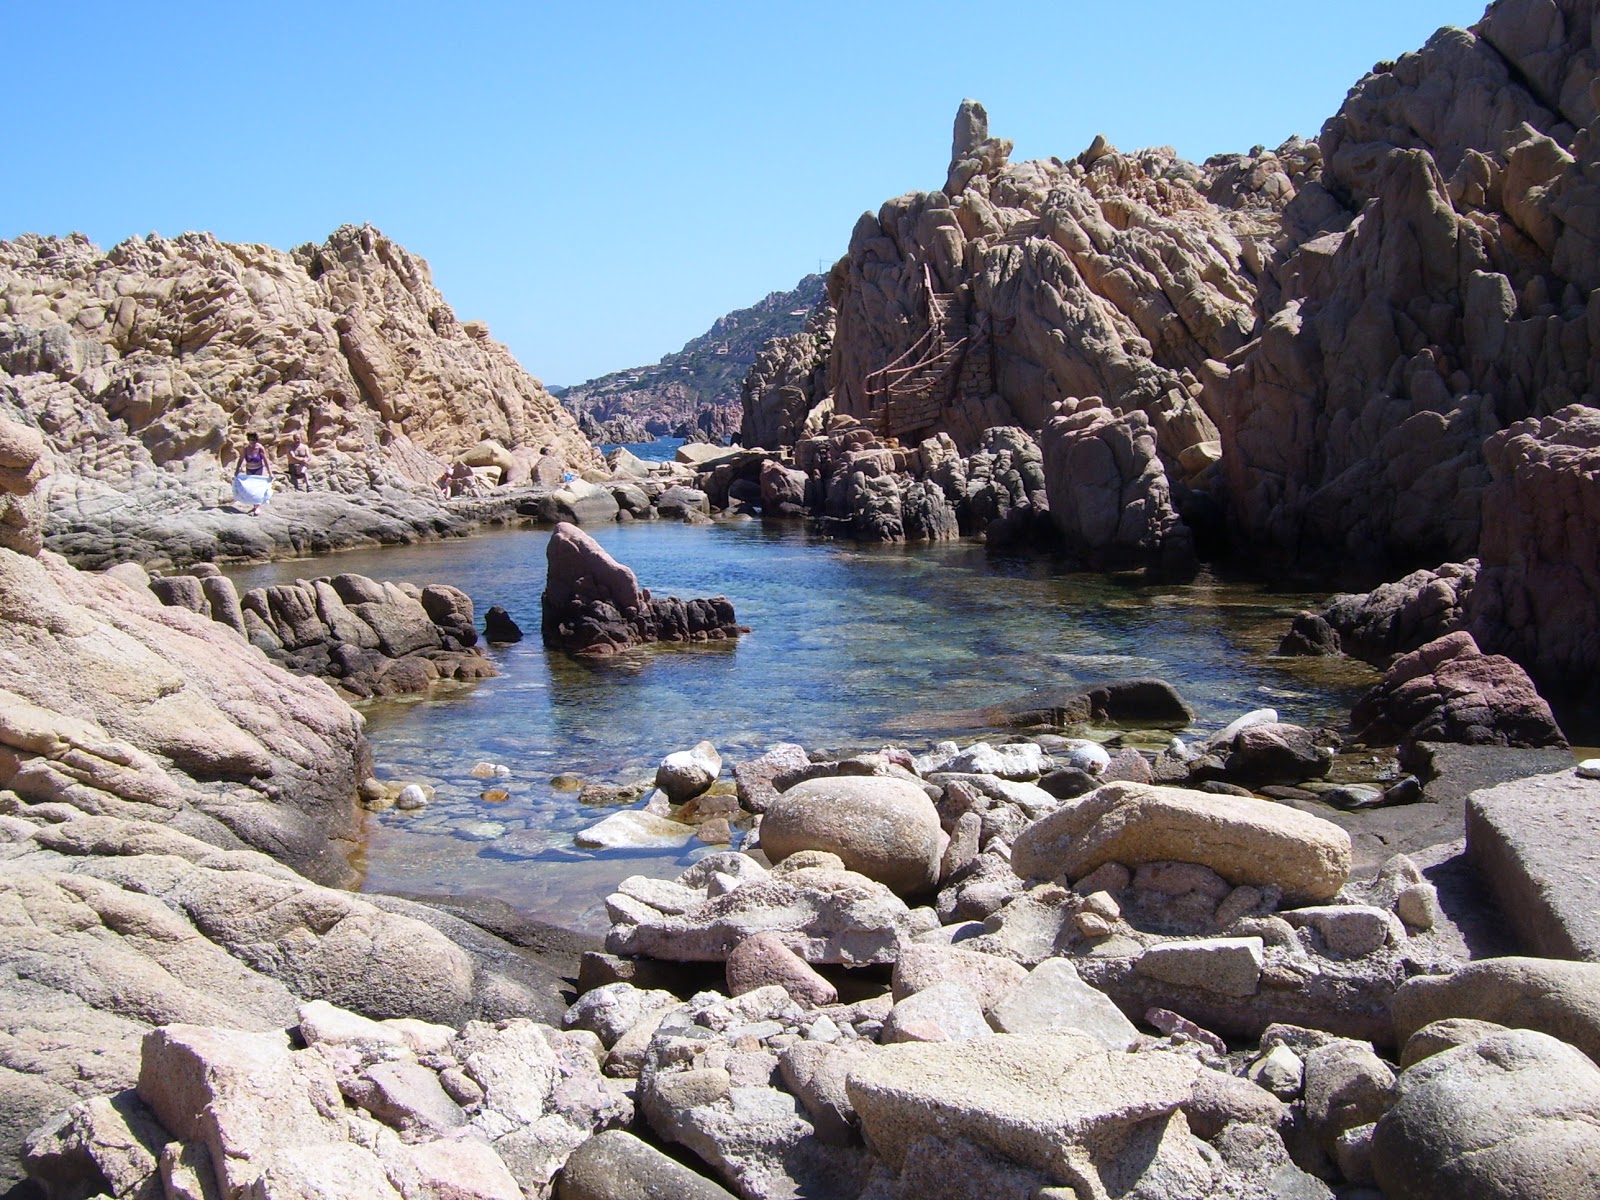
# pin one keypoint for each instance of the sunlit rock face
(144, 367)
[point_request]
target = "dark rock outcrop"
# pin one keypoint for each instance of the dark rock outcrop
(1450, 691)
(593, 605)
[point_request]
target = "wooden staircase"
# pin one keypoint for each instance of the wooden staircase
(907, 395)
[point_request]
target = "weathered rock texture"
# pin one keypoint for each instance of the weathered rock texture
(784, 394)
(1450, 691)
(1376, 349)
(366, 637)
(151, 760)
(143, 367)
(592, 604)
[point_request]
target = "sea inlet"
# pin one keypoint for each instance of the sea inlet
(850, 648)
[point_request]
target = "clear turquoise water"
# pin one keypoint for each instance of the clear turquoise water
(850, 647)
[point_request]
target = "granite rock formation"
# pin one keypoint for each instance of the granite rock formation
(784, 396)
(151, 760)
(144, 366)
(365, 637)
(594, 605)
(1374, 349)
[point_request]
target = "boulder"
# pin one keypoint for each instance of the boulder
(1450, 691)
(1509, 1115)
(1059, 1104)
(684, 774)
(884, 828)
(986, 976)
(594, 605)
(1244, 840)
(763, 959)
(947, 1011)
(1548, 995)
(1532, 840)
(1108, 490)
(1053, 999)
(615, 1165)
(1538, 589)
(825, 915)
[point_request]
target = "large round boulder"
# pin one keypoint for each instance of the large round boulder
(1512, 1116)
(881, 827)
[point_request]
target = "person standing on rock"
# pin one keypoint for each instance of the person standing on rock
(299, 464)
(252, 476)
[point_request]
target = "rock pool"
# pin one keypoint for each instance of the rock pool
(850, 647)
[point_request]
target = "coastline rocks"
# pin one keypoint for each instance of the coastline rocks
(368, 638)
(884, 828)
(1450, 691)
(824, 914)
(684, 774)
(1532, 840)
(1538, 589)
(1246, 841)
(1108, 492)
(405, 1109)
(1397, 618)
(1128, 703)
(1083, 1117)
(593, 605)
(498, 627)
(1555, 997)
(178, 344)
(128, 708)
(615, 1165)
(1509, 1115)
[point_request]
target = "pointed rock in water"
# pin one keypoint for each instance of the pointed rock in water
(498, 627)
(594, 605)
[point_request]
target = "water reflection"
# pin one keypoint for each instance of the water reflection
(850, 647)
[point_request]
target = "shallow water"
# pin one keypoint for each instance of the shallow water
(850, 647)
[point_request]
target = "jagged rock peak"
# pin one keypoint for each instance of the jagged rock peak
(971, 131)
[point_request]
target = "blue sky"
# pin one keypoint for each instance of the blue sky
(601, 181)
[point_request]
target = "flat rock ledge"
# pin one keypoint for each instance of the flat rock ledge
(593, 605)
(1537, 842)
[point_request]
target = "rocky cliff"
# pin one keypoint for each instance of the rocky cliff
(1338, 324)
(1366, 354)
(144, 367)
(695, 392)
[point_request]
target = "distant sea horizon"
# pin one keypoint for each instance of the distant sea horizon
(660, 450)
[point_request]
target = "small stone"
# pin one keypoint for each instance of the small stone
(1418, 906)
(494, 795)
(1093, 925)
(716, 832)
(1280, 1071)
(411, 797)
(489, 770)
(1589, 768)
